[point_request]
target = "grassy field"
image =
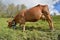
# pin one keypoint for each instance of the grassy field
(34, 31)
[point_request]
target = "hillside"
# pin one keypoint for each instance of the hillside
(34, 31)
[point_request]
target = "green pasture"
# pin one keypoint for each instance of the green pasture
(34, 30)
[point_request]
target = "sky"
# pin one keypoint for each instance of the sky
(57, 6)
(54, 5)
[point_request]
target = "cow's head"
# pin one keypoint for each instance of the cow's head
(11, 23)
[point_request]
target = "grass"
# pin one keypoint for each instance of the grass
(34, 31)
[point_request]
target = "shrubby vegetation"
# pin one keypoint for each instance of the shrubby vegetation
(10, 10)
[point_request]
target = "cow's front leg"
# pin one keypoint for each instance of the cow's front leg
(22, 22)
(23, 27)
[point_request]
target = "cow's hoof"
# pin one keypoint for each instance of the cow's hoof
(52, 30)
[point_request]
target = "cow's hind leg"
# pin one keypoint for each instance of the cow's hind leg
(49, 20)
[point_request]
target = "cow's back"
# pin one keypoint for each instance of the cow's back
(33, 14)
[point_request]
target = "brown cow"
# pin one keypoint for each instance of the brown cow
(32, 15)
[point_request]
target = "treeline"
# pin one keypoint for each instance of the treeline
(10, 10)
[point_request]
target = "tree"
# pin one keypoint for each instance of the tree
(54, 14)
(23, 7)
(17, 9)
(2, 8)
(10, 10)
